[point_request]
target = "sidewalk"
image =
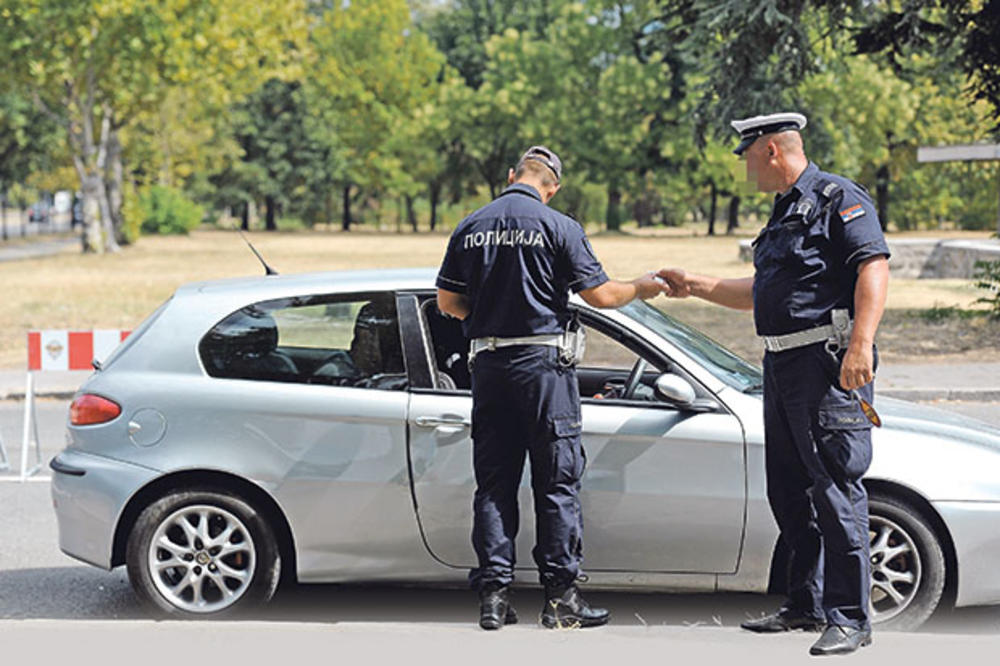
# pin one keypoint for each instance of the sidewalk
(17, 251)
(971, 382)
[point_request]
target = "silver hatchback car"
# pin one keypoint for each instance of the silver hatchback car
(316, 428)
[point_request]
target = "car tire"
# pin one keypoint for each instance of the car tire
(907, 564)
(202, 553)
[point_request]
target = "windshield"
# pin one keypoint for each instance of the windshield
(715, 358)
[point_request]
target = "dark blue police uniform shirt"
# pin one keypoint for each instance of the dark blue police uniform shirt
(807, 257)
(516, 260)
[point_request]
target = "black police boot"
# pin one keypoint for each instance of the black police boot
(783, 620)
(841, 640)
(494, 607)
(565, 608)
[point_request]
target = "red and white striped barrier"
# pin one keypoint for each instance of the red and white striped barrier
(57, 350)
(71, 350)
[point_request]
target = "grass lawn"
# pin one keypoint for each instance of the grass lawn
(117, 291)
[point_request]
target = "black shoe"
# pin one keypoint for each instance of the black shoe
(566, 609)
(841, 640)
(494, 607)
(783, 621)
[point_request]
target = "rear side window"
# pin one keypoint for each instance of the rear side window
(334, 340)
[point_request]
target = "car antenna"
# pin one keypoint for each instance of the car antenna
(267, 269)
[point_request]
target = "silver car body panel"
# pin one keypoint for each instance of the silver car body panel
(338, 463)
(974, 529)
(651, 504)
(88, 507)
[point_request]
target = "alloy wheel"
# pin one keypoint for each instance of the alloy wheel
(202, 558)
(895, 567)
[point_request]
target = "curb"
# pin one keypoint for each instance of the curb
(56, 394)
(957, 394)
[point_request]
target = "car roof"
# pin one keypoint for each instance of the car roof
(276, 286)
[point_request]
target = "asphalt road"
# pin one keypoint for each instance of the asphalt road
(53, 609)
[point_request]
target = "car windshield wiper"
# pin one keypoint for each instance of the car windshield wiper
(754, 388)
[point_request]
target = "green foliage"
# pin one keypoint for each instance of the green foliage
(987, 277)
(166, 210)
(940, 313)
(133, 212)
(310, 108)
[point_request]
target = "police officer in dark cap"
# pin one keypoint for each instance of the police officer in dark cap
(507, 274)
(818, 292)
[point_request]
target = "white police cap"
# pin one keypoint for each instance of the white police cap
(751, 129)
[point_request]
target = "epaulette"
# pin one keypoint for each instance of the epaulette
(827, 189)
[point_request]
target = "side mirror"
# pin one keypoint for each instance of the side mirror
(674, 388)
(678, 391)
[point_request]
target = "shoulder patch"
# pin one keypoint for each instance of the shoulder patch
(851, 213)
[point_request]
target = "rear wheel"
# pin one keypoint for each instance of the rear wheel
(201, 553)
(907, 564)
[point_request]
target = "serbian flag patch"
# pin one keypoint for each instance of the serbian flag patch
(854, 211)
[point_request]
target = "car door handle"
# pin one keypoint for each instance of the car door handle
(435, 421)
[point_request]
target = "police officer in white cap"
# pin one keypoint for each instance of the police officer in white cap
(818, 292)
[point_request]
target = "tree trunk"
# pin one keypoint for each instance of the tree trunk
(712, 209)
(613, 218)
(411, 215)
(345, 220)
(435, 194)
(269, 223)
(245, 216)
(882, 195)
(90, 188)
(3, 213)
(734, 215)
(114, 183)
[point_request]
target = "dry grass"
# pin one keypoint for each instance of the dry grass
(118, 291)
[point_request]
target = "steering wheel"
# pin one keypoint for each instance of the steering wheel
(632, 383)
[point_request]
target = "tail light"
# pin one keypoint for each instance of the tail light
(89, 409)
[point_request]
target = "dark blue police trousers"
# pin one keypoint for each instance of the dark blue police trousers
(525, 403)
(817, 447)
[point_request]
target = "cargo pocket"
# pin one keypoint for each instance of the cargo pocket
(569, 459)
(844, 439)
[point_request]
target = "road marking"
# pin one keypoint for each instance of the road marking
(32, 479)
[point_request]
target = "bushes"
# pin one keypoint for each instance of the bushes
(987, 276)
(165, 210)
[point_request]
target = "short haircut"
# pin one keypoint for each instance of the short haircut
(789, 141)
(536, 170)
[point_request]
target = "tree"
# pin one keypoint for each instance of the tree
(272, 126)
(962, 32)
(463, 28)
(27, 142)
(372, 69)
(111, 60)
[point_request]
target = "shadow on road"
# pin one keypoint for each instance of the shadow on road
(83, 593)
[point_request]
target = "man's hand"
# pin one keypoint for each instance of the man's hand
(856, 368)
(677, 282)
(648, 286)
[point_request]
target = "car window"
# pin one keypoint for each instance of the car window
(603, 351)
(333, 340)
(724, 364)
(449, 349)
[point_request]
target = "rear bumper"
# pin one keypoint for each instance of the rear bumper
(89, 493)
(973, 527)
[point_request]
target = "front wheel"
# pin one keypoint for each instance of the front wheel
(198, 553)
(907, 565)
